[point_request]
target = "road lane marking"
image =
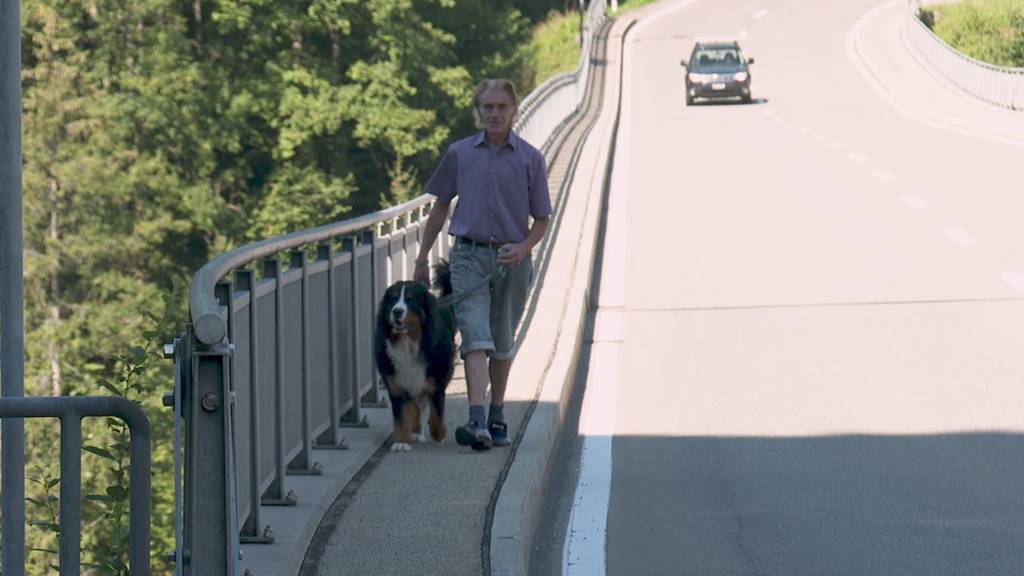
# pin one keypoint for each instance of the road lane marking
(835, 144)
(584, 553)
(816, 136)
(1014, 280)
(959, 236)
(742, 34)
(883, 176)
(760, 14)
(916, 202)
(856, 158)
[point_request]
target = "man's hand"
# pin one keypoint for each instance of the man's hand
(422, 273)
(512, 254)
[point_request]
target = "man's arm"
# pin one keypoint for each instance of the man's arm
(513, 254)
(433, 227)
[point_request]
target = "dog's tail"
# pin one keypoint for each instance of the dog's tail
(443, 277)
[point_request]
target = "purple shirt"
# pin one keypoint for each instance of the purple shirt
(497, 190)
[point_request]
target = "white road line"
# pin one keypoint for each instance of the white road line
(883, 176)
(959, 236)
(585, 553)
(916, 202)
(816, 136)
(835, 144)
(742, 35)
(760, 14)
(1014, 280)
(856, 158)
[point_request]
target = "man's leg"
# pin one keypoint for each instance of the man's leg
(498, 371)
(477, 377)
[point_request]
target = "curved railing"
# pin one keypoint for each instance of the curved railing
(997, 85)
(287, 347)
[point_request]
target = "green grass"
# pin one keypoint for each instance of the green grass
(626, 6)
(988, 30)
(555, 47)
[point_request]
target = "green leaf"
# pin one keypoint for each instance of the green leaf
(101, 452)
(52, 482)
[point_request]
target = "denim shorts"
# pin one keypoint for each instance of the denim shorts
(489, 316)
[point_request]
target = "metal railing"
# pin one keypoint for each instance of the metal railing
(278, 355)
(997, 85)
(70, 411)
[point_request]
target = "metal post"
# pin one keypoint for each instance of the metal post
(305, 466)
(330, 439)
(277, 494)
(245, 279)
(71, 494)
(12, 290)
(373, 396)
(354, 416)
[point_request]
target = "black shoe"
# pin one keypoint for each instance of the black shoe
(473, 435)
(499, 433)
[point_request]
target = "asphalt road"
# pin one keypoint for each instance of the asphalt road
(807, 356)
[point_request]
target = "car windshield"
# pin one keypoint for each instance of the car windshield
(712, 59)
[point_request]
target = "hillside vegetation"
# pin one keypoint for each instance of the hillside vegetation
(991, 31)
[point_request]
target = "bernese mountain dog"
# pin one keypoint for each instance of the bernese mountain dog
(414, 347)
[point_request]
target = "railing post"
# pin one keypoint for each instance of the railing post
(304, 466)
(354, 417)
(71, 494)
(12, 291)
(373, 396)
(277, 494)
(331, 439)
(211, 534)
(253, 531)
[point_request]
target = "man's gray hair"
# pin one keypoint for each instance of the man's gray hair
(503, 84)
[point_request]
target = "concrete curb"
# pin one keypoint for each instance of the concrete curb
(517, 511)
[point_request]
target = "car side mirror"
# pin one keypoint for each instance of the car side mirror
(682, 63)
(750, 60)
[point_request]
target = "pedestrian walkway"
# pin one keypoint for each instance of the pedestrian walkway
(433, 510)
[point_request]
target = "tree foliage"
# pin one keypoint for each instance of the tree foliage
(159, 133)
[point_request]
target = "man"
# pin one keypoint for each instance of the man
(501, 182)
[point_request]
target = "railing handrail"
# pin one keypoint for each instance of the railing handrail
(209, 325)
(69, 409)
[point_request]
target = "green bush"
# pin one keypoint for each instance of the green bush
(987, 30)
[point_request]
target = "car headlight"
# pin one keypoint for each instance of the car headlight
(740, 77)
(699, 78)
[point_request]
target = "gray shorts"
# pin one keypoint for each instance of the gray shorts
(489, 316)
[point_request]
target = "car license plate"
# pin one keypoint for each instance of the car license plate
(718, 86)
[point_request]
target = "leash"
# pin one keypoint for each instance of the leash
(451, 300)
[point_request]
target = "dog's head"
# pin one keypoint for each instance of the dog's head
(406, 310)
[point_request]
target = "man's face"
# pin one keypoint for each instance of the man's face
(496, 109)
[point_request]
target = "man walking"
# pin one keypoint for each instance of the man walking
(501, 181)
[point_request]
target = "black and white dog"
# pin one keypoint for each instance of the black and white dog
(414, 347)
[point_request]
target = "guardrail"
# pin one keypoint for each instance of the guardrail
(997, 85)
(70, 411)
(276, 359)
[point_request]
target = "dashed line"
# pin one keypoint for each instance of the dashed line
(959, 236)
(1014, 280)
(817, 136)
(856, 158)
(916, 202)
(883, 176)
(835, 144)
(760, 14)
(742, 34)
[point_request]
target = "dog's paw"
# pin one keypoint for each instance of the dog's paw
(419, 437)
(401, 447)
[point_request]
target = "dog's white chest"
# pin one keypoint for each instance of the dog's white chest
(410, 368)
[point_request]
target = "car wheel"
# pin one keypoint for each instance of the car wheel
(746, 99)
(689, 100)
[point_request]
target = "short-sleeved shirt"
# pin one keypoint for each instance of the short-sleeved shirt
(498, 190)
